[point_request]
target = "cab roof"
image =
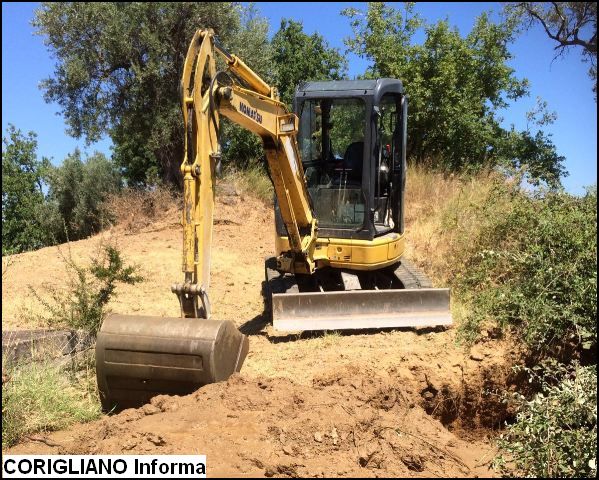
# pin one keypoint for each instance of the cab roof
(335, 88)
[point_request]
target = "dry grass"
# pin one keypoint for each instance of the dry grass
(442, 217)
(7, 263)
(252, 181)
(446, 217)
(44, 396)
(136, 209)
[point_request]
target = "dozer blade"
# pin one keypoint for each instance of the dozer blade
(361, 309)
(138, 357)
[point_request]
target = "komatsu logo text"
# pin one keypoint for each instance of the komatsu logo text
(250, 112)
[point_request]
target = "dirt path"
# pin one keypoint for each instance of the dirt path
(393, 403)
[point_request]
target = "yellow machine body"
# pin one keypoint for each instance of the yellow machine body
(352, 254)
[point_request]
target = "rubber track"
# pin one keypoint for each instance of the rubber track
(275, 283)
(411, 277)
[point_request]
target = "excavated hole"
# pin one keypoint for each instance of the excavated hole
(475, 406)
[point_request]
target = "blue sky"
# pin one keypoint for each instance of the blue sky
(563, 83)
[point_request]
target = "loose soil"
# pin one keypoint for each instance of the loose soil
(390, 403)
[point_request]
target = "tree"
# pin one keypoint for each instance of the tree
(118, 69)
(535, 152)
(292, 57)
(77, 191)
(299, 57)
(569, 24)
(22, 192)
(456, 86)
(240, 148)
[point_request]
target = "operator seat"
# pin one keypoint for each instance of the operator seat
(353, 161)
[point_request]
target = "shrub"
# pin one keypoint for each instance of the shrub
(82, 304)
(528, 262)
(555, 433)
(533, 268)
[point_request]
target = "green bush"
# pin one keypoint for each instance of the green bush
(82, 305)
(527, 262)
(533, 268)
(555, 433)
(74, 206)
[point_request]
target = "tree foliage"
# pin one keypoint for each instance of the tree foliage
(22, 192)
(118, 69)
(44, 204)
(569, 24)
(457, 85)
(77, 192)
(299, 57)
(291, 57)
(241, 148)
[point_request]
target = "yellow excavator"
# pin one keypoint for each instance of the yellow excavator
(338, 167)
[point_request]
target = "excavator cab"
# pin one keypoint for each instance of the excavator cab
(352, 144)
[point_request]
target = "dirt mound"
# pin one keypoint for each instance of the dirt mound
(458, 387)
(350, 422)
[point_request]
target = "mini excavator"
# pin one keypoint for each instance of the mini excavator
(338, 167)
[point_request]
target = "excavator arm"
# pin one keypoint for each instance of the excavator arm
(240, 95)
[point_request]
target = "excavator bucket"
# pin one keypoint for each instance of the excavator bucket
(138, 357)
